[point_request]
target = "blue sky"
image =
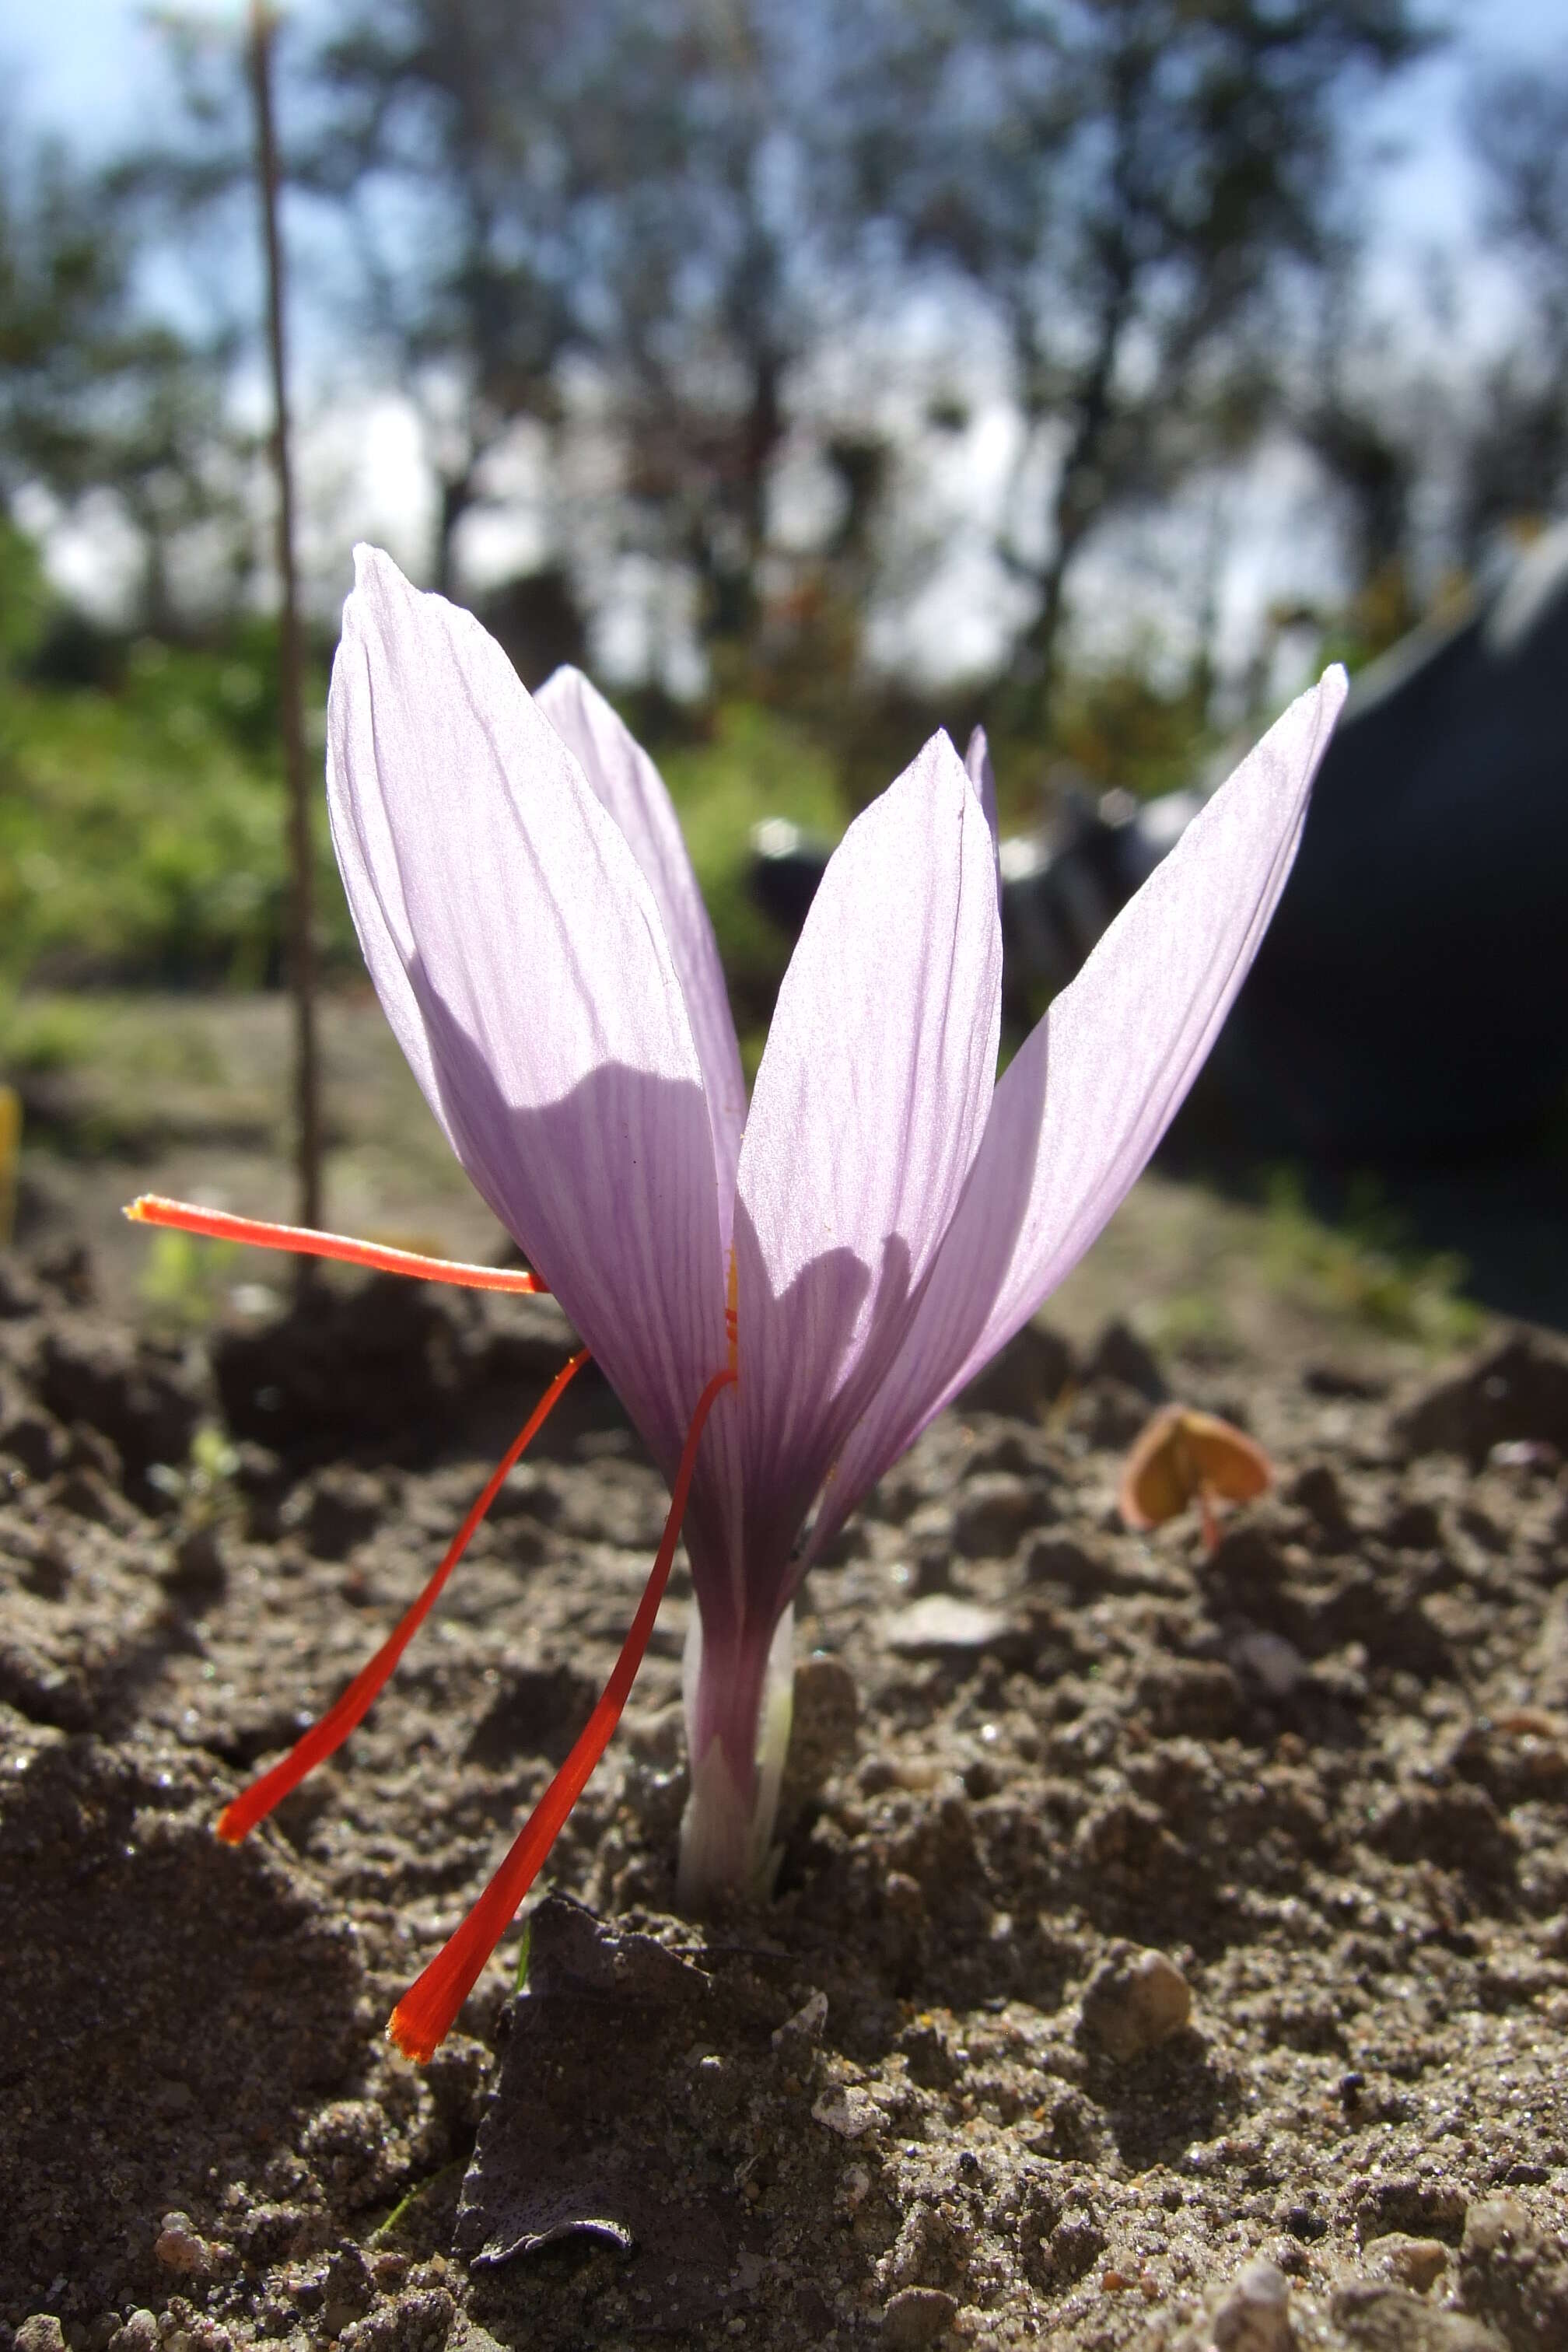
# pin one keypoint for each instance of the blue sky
(91, 68)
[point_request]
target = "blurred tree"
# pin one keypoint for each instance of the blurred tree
(743, 250)
(1128, 183)
(1515, 459)
(658, 191)
(95, 395)
(447, 131)
(63, 300)
(1374, 420)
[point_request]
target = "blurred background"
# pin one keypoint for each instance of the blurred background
(814, 373)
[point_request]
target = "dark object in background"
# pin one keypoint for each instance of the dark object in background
(1411, 995)
(1412, 992)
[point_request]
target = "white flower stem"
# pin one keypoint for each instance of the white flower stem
(727, 1830)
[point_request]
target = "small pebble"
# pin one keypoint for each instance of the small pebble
(806, 2026)
(43, 2332)
(1415, 2263)
(179, 2247)
(940, 1625)
(1255, 2315)
(1269, 1660)
(853, 2188)
(916, 2316)
(847, 2111)
(140, 2333)
(1134, 2000)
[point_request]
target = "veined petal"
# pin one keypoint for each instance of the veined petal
(983, 776)
(868, 1110)
(1080, 1109)
(520, 955)
(631, 788)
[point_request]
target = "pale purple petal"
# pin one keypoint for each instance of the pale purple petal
(868, 1110)
(632, 789)
(521, 959)
(983, 776)
(1078, 1111)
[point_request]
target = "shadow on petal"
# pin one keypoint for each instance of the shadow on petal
(610, 1192)
(955, 1300)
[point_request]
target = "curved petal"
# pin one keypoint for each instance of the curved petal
(631, 788)
(868, 1110)
(1078, 1111)
(520, 955)
(977, 767)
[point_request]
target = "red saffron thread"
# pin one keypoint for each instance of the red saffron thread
(424, 2015)
(216, 1224)
(253, 1804)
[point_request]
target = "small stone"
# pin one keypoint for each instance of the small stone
(1134, 2000)
(140, 2333)
(1268, 1660)
(918, 2314)
(806, 2026)
(1255, 2315)
(939, 1625)
(853, 2188)
(43, 2332)
(180, 2247)
(843, 2109)
(1417, 2262)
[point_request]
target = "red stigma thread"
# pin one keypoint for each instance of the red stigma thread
(424, 2015)
(253, 1804)
(303, 1240)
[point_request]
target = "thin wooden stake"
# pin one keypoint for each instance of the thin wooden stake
(301, 894)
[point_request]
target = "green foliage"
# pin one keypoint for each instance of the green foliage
(24, 599)
(142, 830)
(1364, 1267)
(1120, 728)
(42, 1035)
(184, 1281)
(753, 764)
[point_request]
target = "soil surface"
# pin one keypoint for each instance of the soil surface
(1169, 1948)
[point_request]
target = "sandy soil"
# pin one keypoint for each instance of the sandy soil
(1168, 1949)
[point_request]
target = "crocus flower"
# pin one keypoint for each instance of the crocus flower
(843, 1253)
